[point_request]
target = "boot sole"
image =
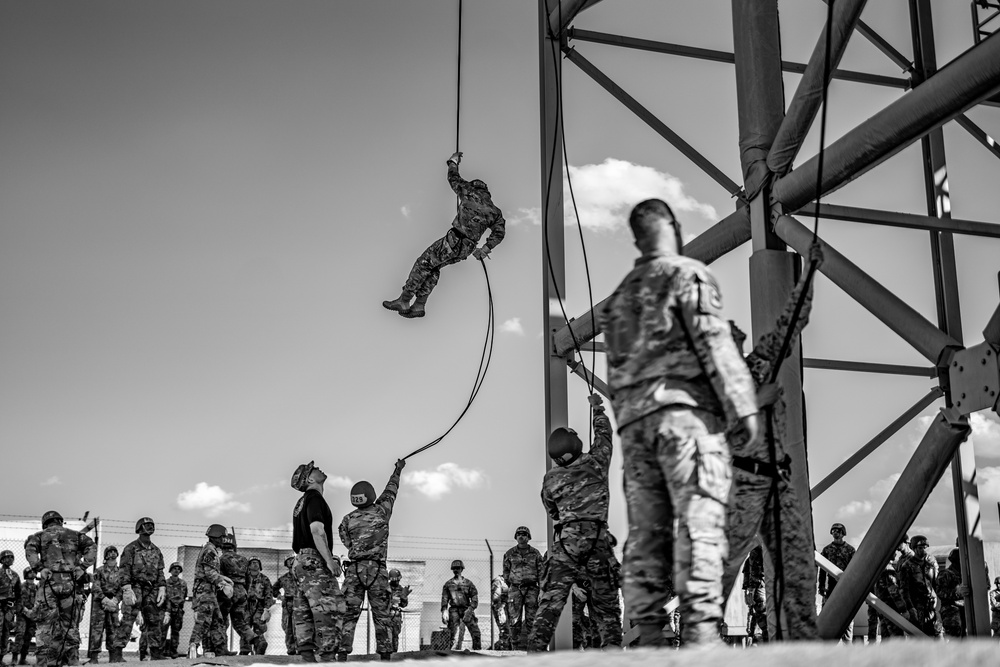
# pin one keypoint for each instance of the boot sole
(410, 315)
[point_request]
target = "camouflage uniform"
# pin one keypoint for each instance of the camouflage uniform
(399, 597)
(917, 577)
(499, 599)
(995, 611)
(476, 214)
(952, 604)
(674, 373)
(141, 566)
(522, 570)
(602, 627)
(177, 594)
(286, 585)
(106, 585)
(753, 592)
(208, 622)
(584, 628)
(576, 498)
(751, 504)
(59, 604)
(10, 597)
(259, 600)
(840, 555)
(25, 619)
(460, 598)
(365, 533)
(888, 591)
(234, 565)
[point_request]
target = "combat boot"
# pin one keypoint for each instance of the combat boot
(24, 657)
(400, 305)
(92, 656)
(260, 646)
(115, 655)
(385, 656)
(308, 656)
(417, 309)
(342, 656)
(192, 653)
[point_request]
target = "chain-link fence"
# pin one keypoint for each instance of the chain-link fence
(424, 563)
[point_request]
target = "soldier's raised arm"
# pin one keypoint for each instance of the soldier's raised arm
(455, 180)
(602, 448)
(87, 550)
(769, 345)
(388, 497)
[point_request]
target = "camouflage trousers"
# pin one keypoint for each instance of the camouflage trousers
(886, 628)
(172, 628)
(927, 621)
(677, 466)
(395, 627)
(288, 625)
(521, 599)
(584, 627)
(371, 577)
(995, 623)
(8, 622)
(255, 613)
(751, 512)
(58, 612)
(499, 611)
(319, 606)
(756, 611)
(581, 560)
(953, 620)
(426, 271)
(208, 629)
(234, 610)
(102, 623)
(459, 616)
(152, 615)
(22, 638)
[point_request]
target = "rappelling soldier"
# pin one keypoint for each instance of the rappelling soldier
(674, 374)
(751, 498)
(144, 590)
(59, 557)
(459, 599)
(10, 597)
(234, 565)
(106, 592)
(259, 602)
(575, 495)
(476, 214)
(285, 586)
(522, 570)
(208, 622)
(399, 597)
(365, 533)
(26, 625)
(177, 595)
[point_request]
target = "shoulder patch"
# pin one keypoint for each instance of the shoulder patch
(709, 298)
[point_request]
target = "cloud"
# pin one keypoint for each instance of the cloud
(985, 435)
(445, 478)
(854, 508)
(606, 192)
(212, 501)
(339, 482)
(52, 481)
(512, 326)
(405, 210)
(880, 490)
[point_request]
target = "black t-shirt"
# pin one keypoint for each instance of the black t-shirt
(311, 508)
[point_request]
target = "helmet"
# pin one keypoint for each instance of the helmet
(953, 557)
(612, 540)
(110, 550)
(457, 563)
(176, 565)
(255, 560)
(836, 526)
(300, 478)
(6, 553)
(564, 446)
(395, 575)
(215, 530)
(28, 572)
(229, 541)
(996, 582)
(362, 494)
(49, 517)
(478, 184)
(522, 530)
(289, 561)
(142, 522)
(919, 541)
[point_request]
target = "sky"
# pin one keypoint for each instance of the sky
(204, 205)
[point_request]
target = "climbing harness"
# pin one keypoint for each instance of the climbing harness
(582, 559)
(365, 584)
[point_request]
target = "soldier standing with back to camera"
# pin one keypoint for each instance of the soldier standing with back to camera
(285, 585)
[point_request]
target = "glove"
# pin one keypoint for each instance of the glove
(265, 616)
(456, 157)
(400, 464)
(44, 574)
(110, 604)
(226, 586)
(444, 616)
(166, 619)
(161, 595)
(481, 253)
(141, 622)
(596, 401)
(128, 597)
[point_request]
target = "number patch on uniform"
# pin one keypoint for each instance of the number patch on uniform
(709, 299)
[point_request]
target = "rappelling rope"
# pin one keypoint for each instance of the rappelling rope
(487, 354)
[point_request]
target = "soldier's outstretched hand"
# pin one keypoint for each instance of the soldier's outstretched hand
(481, 253)
(456, 157)
(595, 400)
(444, 617)
(816, 254)
(400, 464)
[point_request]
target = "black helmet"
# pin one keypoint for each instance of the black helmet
(110, 550)
(142, 522)
(26, 572)
(395, 575)
(255, 560)
(836, 526)
(178, 566)
(228, 541)
(522, 530)
(49, 517)
(479, 185)
(564, 446)
(215, 530)
(6, 553)
(919, 541)
(953, 557)
(362, 494)
(457, 564)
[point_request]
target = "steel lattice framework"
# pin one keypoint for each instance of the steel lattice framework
(968, 377)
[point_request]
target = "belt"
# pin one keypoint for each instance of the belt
(764, 468)
(309, 551)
